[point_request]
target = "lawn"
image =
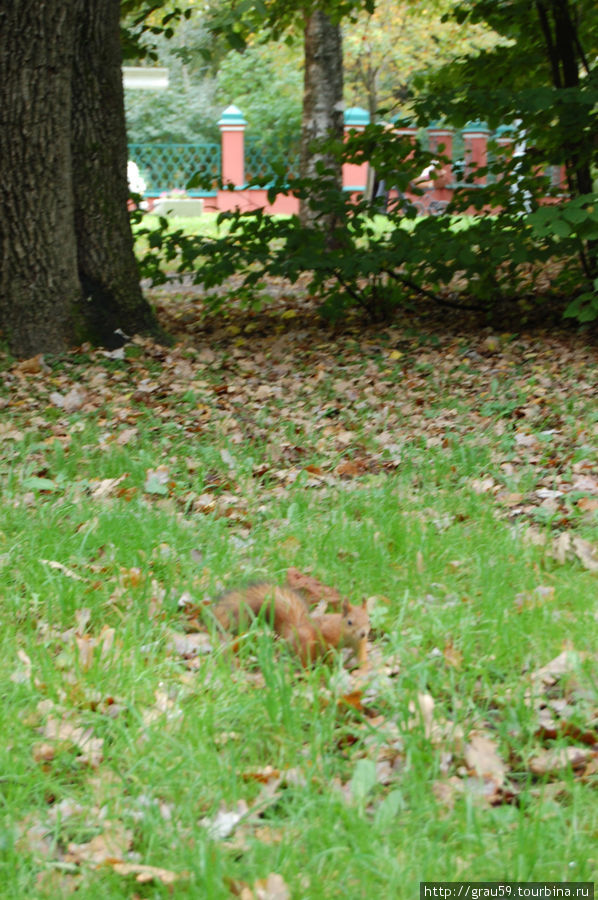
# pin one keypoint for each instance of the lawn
(449, 480)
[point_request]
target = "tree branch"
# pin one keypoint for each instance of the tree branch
(441, 301)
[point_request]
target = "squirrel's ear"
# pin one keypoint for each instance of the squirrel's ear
(345, 607)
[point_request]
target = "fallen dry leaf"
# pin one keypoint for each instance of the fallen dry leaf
(225, 821)
(146, 874)
(566, 663)
(552, 762)
(190, 645)
(22, 675)
(446, 791)
(70, 402)
(110, 846)
(157, 480)
(264, 775)
(105, 487)
(43, 752)
(481, 756)
(8, 433)
(60, 567)
(271, 888)
(586, 552)
(65, 732)
(423, 713)
(33, 366)
(452, 655)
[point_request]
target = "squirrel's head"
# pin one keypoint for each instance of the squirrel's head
(356, 620)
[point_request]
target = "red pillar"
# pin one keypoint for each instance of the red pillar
(475, 135)
(441, 143)
(232, 134)
(355, 175)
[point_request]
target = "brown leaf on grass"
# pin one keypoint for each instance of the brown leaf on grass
(534, 599)
(131, 578)
(273, 887)
(125, 437)
(65, 732)
(561, 547)
(551, 727)
(534, 537)
(36, 838)
(22, 675)
(8, 433)
(266, 834)
(586, 553)
(263, 775)
(53, 883)
(482, 485)
(354, 700)
(526, 440)
(482, 757)
(157, 481)
(567, 546)
(446, 791)
(43, 752)
(558, 699)
(486, 791)
(190, 645)
(566, 663)
(424, 714)
(60, 567)
(311, 587)
(146, 874)
(352, 468)
(105, 487)
(225, 821)
(85, 645)
(452, 655)
(82, 618)
(70, 402)
(587, 483)
(33, 366)
(111, 846)
(552, 762)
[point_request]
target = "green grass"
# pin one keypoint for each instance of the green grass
(441, 568)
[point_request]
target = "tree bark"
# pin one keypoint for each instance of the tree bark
(322, 108)
(107, 266)
(67, 269)
(39, 287)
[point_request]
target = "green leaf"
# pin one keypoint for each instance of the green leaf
(35, 483)
(364, 780)
(388, 810)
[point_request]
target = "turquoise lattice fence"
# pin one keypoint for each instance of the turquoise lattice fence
(165, 167)
(261, 161)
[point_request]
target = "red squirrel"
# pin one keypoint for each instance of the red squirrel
(310, 636)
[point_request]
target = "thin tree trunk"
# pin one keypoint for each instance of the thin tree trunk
(565, 55)
(39, 287)
(322, 106)
(107, 266)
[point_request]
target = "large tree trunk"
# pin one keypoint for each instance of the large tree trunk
(107, 265)
(322, 107)
(39, 286)
(67, 269)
